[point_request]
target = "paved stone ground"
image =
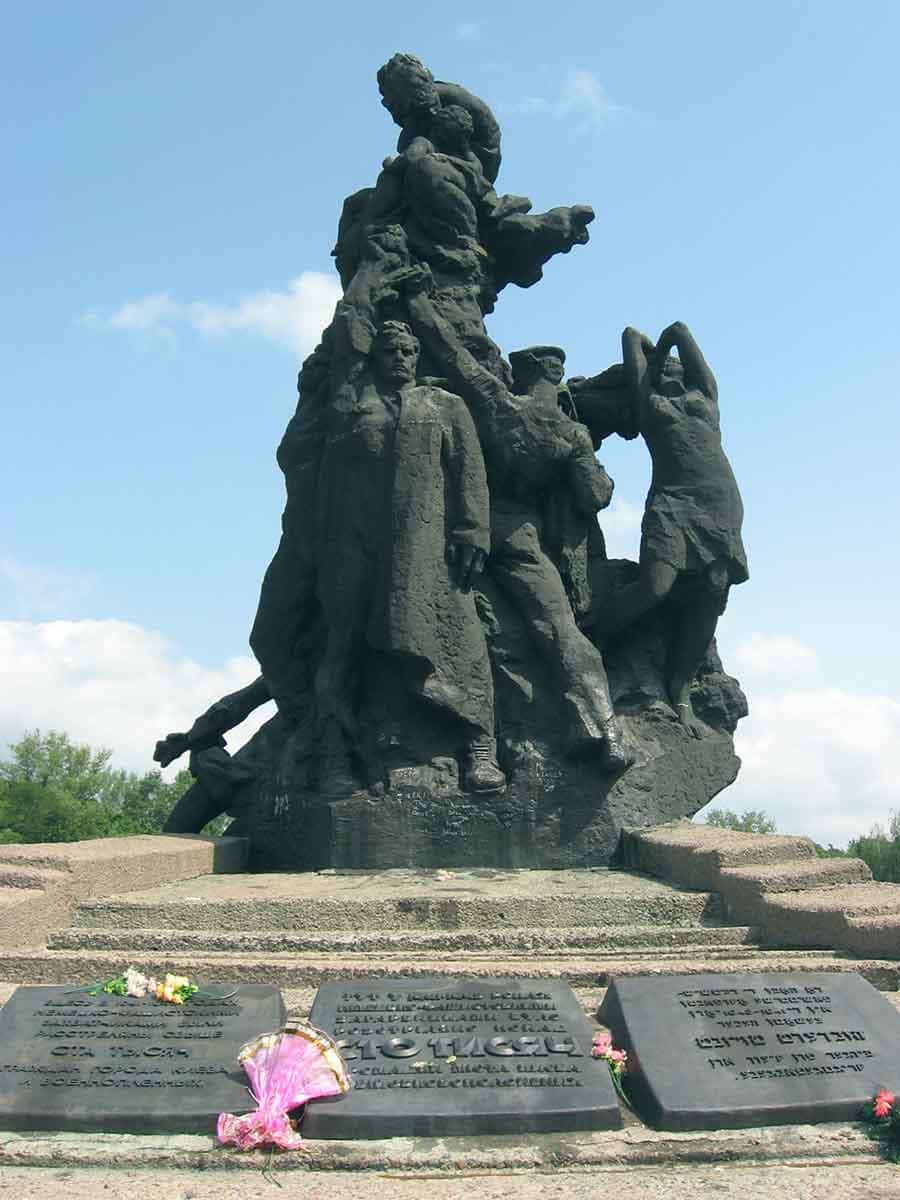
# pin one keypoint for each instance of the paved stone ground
(875, 1182)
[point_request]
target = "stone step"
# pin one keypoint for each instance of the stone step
(786, 1162)
(402, 899)
(300, 971)
(25, 913)
(13, 875)
(43, 856)
(695, 855)
(745, 890)
(820, 918)
(545, 939)
(878, 935)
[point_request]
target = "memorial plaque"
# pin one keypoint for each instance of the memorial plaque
(732, 1051)
(120, 1064)
(435, 1057)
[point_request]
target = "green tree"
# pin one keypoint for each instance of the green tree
(51, 760)
(48, 814)
(53, 790)
(750, 821)
(145, 801)
(830, 851)
(880, 849)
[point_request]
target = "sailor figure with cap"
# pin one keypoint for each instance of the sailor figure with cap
(546, 488)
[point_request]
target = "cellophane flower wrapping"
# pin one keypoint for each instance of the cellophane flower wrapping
(286, 1069)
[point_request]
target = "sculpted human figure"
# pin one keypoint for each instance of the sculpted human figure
(220, 778)
(532, 448)
(403, 528)
(691, 531)
(284, 631)
(439, 188)
(412, 96)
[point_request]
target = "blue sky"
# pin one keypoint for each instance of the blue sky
(174, 178)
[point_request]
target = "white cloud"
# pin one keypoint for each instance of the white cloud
(621, 525)
(822, 761)
(580, 94)
(294, 318)
(148, 313)
(110, 683)
(31, 591)
(774, 654)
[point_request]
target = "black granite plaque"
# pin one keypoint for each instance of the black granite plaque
(432, 1057)
(115, 1063)
(732, 1051)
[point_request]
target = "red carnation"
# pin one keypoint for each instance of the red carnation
(883, 1103)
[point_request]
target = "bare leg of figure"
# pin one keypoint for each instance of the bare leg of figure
(695, 629)
(624, 607)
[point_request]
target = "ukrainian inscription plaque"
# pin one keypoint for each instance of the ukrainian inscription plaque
(732, 1051)
(121, 1064)
(434, 1057)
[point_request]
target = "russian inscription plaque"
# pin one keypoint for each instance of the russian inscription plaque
(432, 1057)
(70, 1061)
(733, 1051)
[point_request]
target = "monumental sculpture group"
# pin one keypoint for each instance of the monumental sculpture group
(462, 675)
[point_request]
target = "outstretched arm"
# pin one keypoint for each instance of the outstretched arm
(207, 730)
(696, 369)
(482, 390)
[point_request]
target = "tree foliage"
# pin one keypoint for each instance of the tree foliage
(53, 790)
(750, 821)
(880, 849)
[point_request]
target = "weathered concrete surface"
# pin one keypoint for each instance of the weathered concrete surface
(778, 884)
(746, 890)
(878, 936)
(402, 899)
(634, 1147)
(299, 930)
(580, 968)
(140, 859)
(41, 883)
(823, 1182)
(694, 855)
(821, 917)
(499, 940)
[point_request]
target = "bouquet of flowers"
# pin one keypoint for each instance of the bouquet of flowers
(286, 1069)
(173, 989)
(616, 1060)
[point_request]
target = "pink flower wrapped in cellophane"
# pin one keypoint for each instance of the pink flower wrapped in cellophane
(285, 1069)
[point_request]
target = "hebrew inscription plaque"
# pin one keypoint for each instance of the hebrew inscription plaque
(70, 1061)
(732, 1051)
(432, 1057)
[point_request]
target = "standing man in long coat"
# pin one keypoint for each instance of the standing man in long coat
(403, 528)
